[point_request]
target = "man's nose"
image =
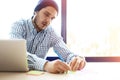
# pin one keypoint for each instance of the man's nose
(48, 20)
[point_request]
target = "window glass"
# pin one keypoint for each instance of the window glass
(93, 27)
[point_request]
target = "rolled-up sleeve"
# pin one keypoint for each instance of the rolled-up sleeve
(35, 62)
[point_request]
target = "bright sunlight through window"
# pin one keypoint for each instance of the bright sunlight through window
(93, 27)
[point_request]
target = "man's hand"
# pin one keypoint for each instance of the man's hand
(77, 63)
(56, 66)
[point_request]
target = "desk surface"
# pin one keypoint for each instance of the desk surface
(92, 71)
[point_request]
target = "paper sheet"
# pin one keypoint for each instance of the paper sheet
(35, 73)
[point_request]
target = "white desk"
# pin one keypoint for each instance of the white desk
(92, 71)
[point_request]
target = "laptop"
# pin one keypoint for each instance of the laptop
(13, 55)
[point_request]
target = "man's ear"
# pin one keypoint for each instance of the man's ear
(35, 13)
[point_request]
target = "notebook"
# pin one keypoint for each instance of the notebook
(13, 56)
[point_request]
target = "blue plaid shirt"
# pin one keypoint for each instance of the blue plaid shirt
(38, 43)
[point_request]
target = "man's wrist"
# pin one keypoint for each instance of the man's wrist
(45, 66)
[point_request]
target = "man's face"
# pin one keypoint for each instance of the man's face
(44, 17)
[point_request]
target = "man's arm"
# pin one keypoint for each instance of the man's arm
(75, 62)
(35, 63)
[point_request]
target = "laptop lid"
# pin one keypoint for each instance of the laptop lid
(13, 55)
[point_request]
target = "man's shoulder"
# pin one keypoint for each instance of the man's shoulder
(20, 24)
(21, 21)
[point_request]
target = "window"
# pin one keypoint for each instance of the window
(93, 27)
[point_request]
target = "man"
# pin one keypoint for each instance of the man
(40, 37)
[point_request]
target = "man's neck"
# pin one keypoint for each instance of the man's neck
(36, 26)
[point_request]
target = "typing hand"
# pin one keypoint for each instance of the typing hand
(56, 66)
(77, 63)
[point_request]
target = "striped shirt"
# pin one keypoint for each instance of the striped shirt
(38, 43)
